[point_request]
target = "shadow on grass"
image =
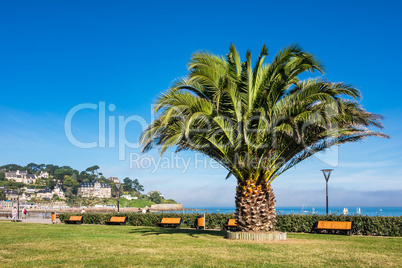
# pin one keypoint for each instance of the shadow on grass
(190, 232)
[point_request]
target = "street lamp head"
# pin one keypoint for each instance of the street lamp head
(118, 186)
(327, 173)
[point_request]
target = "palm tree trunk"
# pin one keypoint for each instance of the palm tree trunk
(255, 206)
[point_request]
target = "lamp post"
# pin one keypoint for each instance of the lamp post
(118, 185)
(18, 204)
(327, 173)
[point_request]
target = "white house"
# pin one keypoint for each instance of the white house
(129, 197)
(21, 176)
(44, 174)
(16, 175)
(114, 179)
(95, 189)
(151, 192)
(44, 194)
(57, 190)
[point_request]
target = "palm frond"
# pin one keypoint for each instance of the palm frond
(257, 120)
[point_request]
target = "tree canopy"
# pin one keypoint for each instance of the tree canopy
(257, 120)
(132, 185)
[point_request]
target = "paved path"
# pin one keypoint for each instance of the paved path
(47, 221)
(43, 221)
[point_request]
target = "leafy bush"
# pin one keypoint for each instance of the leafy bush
(364, 225)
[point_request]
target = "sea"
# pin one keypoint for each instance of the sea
(369, 211)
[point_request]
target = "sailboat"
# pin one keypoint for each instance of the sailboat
(358, 211)
(345, 211)
(304, 211)
(314, 212)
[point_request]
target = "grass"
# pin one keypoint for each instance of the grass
(138, 203)
(40, 245)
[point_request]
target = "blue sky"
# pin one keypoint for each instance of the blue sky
(57, 55)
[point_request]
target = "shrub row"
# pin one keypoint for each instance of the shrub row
(213, 220)
(364, 225)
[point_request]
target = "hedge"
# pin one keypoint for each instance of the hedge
(362, 225)
(213, 220)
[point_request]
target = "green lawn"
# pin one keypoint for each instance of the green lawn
(136, 203)
(41, 245)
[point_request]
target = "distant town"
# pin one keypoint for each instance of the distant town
(65, 186)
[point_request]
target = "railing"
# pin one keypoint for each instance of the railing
(5, 214)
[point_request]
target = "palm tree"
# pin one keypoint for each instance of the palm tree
(257, 122)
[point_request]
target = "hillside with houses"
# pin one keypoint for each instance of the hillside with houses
(43, 183)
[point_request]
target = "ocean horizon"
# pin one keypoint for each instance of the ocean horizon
(306, 210)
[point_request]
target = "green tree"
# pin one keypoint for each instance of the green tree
(94, 170)
(14, 185)
(84, 177)
(2, 195)
(137, 186)
(74, 176)
(2, 176)
(11, 167)
(41, 167)
(257, 122)
(35, 168)
(132, 185)
(155, 197)
(50, 183)
(60, 173)
(70, 184)
(127, 184)
(51, 169)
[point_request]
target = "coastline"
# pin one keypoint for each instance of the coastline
(365, 211)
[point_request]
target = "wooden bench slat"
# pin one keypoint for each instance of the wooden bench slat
(75, 218)
(117, 219)
(171, 220)
(335, 226)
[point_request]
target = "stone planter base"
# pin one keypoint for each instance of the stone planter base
(256, 236)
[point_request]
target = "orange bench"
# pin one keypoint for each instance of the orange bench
(74, 220)
(334, 226)
(231, 224)
(170, 222)
(117, 220)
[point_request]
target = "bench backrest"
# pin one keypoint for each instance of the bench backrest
(232, 222)
(340, 225)
(75, 218)
(201, 222)
(171, 220)
(118, 219)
